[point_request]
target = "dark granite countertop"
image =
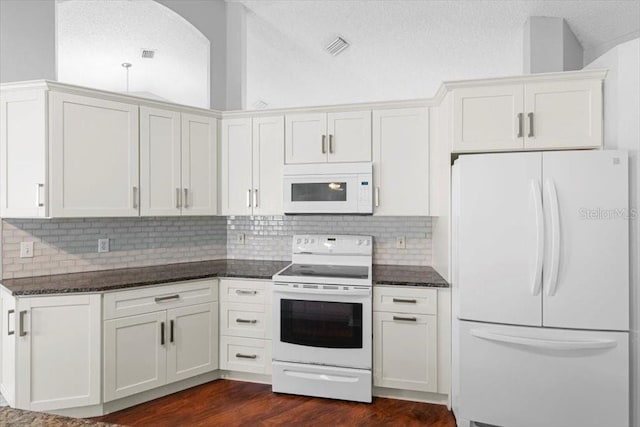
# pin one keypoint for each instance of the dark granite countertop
(407, 275)
(17, 417)
(106, 280)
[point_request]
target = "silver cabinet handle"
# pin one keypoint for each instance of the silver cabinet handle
(377, 196)
(255, 198)
(249, 198)
(324, 144)
(405, 319)
(167, 298)
(530, 116)
(135, 197)
(22, 331)
(9, 313)
(409, 301)
(244, 292)
(246, 356)
(178, 198)
(251, 321)
(330, 143)
(38, 200)
(185, 202)
(520, 117)
(161, 333)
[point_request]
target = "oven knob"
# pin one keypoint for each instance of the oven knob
(359, 242)
(306, 241)
(366, 243)
(299, 241)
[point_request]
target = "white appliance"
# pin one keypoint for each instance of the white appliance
(322, 319)
(541, 289)
(328, 188)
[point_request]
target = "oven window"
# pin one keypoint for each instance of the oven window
(319, 192)
(321, 323)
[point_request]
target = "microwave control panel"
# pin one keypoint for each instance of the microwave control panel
(365, 189)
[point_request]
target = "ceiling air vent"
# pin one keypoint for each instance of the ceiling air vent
(337, 46)
(260, 105)
(148, 53)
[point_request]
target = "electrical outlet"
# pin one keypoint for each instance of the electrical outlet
(26, 250)
(240, 238)
(401, 242)
(103, 245)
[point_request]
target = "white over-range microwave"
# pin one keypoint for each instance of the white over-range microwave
(328, 188)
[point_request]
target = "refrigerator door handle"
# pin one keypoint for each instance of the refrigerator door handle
(552, 285)
(536, 285)
(546, 344)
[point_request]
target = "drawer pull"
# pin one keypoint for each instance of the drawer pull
(252, 321)
(22, 331)
(167, 298)
(9, 313)
(245, 292)
(406, 319)
(409, 301)
(246, 356)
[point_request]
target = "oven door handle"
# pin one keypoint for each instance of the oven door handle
(307, 291)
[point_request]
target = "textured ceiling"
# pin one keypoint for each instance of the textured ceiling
(403, 48)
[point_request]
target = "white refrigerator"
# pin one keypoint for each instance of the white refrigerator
(541, 289)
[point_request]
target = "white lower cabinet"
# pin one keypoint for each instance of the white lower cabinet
(245, 326)
(51, 351)
(405, 339)
(173, 339)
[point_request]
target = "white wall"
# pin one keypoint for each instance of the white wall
(27, 40)
(94, 38)
(622, 131)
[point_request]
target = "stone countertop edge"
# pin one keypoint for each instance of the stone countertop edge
(118, 279)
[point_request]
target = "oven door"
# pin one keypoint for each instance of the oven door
(322, 324)
(347, 193)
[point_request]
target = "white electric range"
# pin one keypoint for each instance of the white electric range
(322, 318)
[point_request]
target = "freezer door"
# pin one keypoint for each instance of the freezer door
(586, 266)
(530, 377)
(498, 238)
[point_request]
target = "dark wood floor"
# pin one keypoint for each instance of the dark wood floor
(235, 403)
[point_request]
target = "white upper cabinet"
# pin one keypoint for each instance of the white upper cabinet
(199, 165)
(160, 164)
(252, 161)
(563, 114)
(530, 114)
(328, 137)
(93, 157)
(487, 118)
(401, 161)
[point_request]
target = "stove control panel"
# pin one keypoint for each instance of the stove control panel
(332, 244)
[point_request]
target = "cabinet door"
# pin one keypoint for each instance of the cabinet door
(199, 165)
(563, 115)
(23, 153)
(401, 161)
(306, 138)
(349, 136)
(192, 341)
(268, 162)
(236, 186)
(8, 349)
(405, 351)
(93, 157)
(58, 352)
(160, 187)
(134, 354)
(488, 119)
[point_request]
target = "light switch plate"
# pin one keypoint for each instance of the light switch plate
(103, 245)
(26, 250)
(240, 238)
(401, 242)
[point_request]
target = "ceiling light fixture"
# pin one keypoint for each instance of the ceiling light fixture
(337, 46)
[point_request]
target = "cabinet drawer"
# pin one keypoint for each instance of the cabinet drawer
(162, 297)
(245, 355)
(401, 300)
(246, 291)
(245, 320)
